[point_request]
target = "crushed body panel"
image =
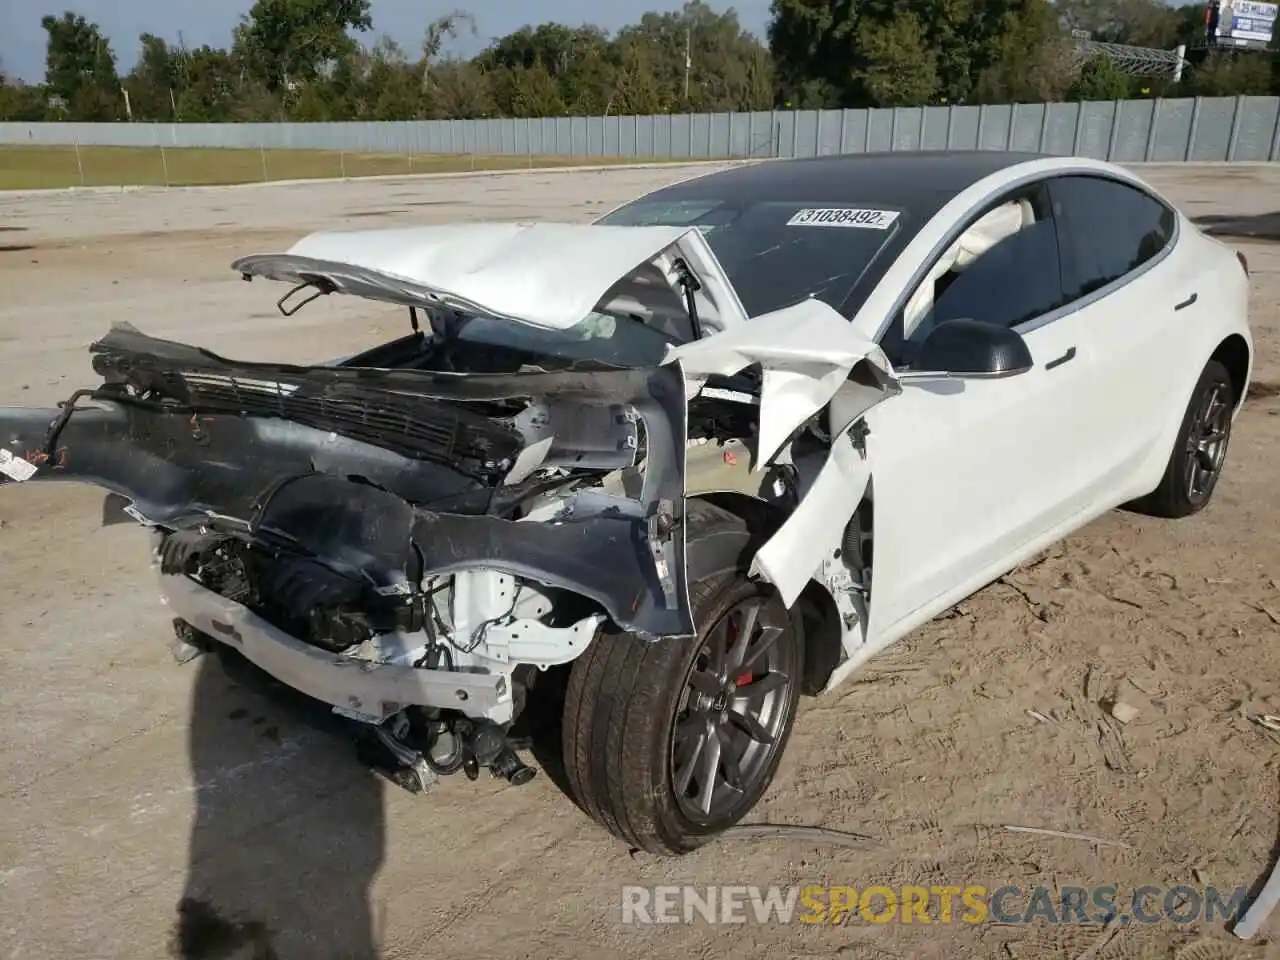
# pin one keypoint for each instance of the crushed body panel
(373, 502)
(257, 449)
(806, 352)
(813, 363)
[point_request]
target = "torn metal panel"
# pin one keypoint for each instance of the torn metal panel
(868, 384)
(812, 534)
(607, 557)
(573, 434)
(812, 362)
(806, 352)
(598, 546)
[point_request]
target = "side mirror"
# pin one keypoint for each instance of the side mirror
(971, 349)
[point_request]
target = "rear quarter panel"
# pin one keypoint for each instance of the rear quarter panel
(1221, 309)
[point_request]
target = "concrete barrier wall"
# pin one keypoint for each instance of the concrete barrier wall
(1190, 129)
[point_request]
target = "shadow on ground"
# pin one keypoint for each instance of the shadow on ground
(288, 832)
(1260, 226)
(541, 728)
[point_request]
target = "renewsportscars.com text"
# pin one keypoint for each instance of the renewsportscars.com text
(969, 904)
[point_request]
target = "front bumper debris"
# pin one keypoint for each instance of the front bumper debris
(372, 691)
(194, 440)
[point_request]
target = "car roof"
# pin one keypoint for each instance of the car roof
(915, 184)
(902, 178)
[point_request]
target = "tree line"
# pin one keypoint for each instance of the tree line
(301, 60)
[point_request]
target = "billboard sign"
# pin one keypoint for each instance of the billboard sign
(1242, 23)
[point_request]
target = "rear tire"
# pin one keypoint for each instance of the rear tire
(669, 742)
(1199, 451)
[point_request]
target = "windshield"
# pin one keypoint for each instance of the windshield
(778, 253)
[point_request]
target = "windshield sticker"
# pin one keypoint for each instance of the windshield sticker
(844, 217)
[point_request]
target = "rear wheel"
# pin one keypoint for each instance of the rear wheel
(668, 742)
(1199, 451)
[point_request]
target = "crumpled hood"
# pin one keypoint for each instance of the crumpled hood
(550, 275)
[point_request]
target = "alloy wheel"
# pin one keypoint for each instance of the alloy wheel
(733, 711)
(1207, 442)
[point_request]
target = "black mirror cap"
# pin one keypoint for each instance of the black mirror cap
(972, 348)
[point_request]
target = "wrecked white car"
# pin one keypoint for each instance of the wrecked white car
(658, 458)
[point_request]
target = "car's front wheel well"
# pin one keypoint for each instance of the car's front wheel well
(819, 617)
(762, 519)
(823, 641)
(1233, 353)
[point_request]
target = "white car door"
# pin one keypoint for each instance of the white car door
(1137, 296)
(966, 473)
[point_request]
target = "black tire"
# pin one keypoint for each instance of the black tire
(1181, 492)
(625, 695)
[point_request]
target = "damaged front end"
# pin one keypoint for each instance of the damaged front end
(382, 539)
(414, 545)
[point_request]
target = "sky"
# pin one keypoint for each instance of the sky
(22, 39)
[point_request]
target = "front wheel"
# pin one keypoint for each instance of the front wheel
(1199, 451)
(668, 742)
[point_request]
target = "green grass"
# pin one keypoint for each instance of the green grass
(55, 167)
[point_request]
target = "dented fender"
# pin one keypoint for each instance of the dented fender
(813, 362)
(796, 553)
(807, 353)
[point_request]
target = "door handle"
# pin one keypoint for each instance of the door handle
(1069, 355)
(1187, 302)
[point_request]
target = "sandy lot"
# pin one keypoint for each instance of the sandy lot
(128, 782)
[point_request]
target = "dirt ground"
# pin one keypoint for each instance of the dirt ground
(128, 782)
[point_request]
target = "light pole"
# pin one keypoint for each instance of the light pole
(688, 58)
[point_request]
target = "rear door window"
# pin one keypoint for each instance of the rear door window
(1106, 230)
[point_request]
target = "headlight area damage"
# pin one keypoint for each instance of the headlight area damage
(416, 547)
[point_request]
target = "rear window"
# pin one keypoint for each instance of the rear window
(1107, 230)
(775, 253)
